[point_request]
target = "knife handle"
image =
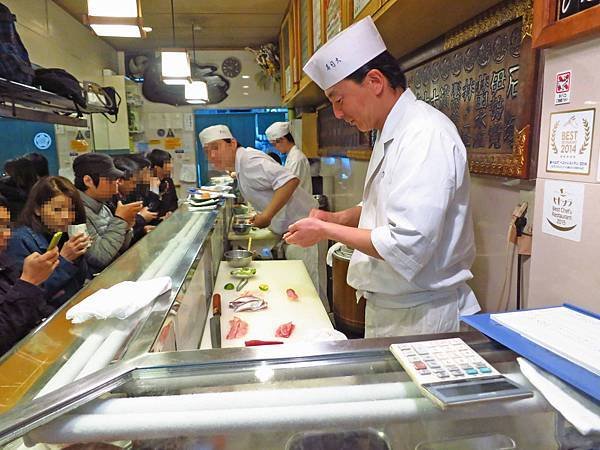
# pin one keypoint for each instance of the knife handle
(216, 304)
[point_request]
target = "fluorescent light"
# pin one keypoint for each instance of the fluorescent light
(113, 8)
(245, 87)
(132, 31)
(175, 66)
(115, 18)
(245, 93)
(246, 76)
(196, 92)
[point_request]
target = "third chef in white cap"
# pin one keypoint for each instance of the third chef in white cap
(272, 189)
(280, 136)
(413, 231)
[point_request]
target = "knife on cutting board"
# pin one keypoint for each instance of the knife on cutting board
(215, 322)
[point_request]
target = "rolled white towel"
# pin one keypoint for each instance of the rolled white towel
(332, 249)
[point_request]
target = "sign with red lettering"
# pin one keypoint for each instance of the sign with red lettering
(562, 90)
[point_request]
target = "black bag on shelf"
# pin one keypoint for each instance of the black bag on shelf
(61, 82)
(14, 59)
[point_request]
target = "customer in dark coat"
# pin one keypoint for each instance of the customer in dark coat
(20, 177)
(162, 168)
(128, 191)
(22, 304)
(53, 204)
(40, 162)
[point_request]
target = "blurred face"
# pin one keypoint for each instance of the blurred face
(57, 213)
(143, 176)
(282, 145)
(164, 171)
(126, 186)
(353, 103)
(4, 227)
(106, 188)
(221, 154)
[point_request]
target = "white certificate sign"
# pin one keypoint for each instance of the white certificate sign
(570, 141)
(563, 209)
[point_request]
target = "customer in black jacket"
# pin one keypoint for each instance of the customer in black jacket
(20, 177)
(162, 167)
(22, 304)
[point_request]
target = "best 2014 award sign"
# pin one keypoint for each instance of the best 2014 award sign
(570, 142)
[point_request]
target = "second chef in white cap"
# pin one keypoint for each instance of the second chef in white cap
(280, 136)
(272, 189)
(413, 231)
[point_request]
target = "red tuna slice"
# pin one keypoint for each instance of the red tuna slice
(292, 294)
(237, 328)
(285, 330)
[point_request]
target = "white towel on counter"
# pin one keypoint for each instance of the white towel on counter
(119, 301)
(579, 410)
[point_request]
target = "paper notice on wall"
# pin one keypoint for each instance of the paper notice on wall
(563, 209)
(570, 141)
(188, 173)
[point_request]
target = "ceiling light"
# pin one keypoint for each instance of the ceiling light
(115, 18)
(175, 62)
(246, 76)
(245, 87)
(196, 92)
(175, 66)
(245, 93)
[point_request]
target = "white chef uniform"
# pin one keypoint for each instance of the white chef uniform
(415, 201)
(259, 176)
(295, 161)
(298, 164)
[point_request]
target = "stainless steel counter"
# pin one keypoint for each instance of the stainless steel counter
(268, 398)
(50, 354)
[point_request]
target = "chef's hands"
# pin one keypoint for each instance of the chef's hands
(261, 220)
(306, 232)
(319, 214)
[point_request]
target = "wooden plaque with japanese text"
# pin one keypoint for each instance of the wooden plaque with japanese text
(483, 77)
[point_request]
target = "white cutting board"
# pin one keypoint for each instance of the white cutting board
(307, 313)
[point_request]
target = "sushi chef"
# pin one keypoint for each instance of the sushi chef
(280, 137)
(272, 189)
(413, 231)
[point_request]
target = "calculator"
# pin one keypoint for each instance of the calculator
(449, 372)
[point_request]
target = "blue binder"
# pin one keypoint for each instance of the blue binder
(571, 373)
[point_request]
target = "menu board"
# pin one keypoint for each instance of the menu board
(359, 5)
(485, 86)
(304, 31)
(334, 18)
(567, 8)
(316, 24)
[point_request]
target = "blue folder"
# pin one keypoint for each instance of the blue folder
(571, 373)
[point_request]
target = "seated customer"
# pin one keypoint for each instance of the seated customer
(20, 177)
(145, 187)
(40, 163)
(128, 191)
(162, 166)
(53, 205)
(22, 304)
(96, 178)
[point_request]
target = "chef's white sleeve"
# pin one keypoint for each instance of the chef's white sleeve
(419, 189)
(268, 174)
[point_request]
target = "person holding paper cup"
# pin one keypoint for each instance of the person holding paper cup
(54, 205)
(413, 231)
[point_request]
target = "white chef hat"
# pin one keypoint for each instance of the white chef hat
(344, 53)
(214, 133)
(277, 130)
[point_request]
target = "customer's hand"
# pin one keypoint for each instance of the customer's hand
(128, 211)
(75, 247)
(148, 215)
(148, 228)
(37, 268)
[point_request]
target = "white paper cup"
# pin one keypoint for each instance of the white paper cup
(74, 230)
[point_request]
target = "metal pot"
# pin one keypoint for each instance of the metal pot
(241, 228)
(238, 258)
